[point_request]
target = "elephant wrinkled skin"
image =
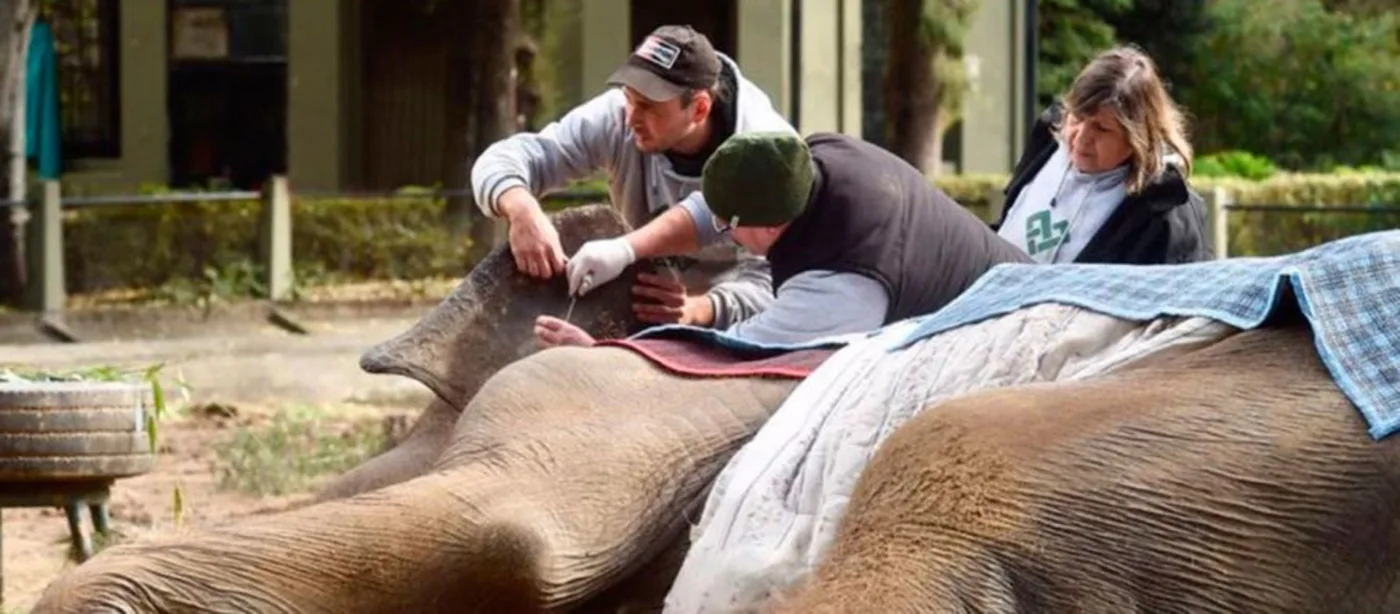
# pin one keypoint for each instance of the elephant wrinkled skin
(482, 326)
(1237, 478)
(1231, 478)
(566, 484)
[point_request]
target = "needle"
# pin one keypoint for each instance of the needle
(573, 299)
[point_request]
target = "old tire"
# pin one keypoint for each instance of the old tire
(61, 431)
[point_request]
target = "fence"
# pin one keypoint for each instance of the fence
(47, 287)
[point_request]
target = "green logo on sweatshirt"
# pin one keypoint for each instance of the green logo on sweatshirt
(1043, 234)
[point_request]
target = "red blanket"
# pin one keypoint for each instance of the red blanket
(708, 360)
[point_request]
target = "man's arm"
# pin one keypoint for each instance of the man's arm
(673, 233)
(583, 141)
(818, 304)
(740, 293)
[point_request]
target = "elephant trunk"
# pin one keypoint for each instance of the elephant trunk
(581, 468)
(413, 457)
(353, 555)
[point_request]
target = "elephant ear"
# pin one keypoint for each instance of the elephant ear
(488, 320)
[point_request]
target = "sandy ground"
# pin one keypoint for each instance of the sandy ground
(256, 375)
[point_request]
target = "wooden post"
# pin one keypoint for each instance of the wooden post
(276, 239)
(1218, 221)
(48, 282)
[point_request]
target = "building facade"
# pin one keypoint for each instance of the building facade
(349, 94)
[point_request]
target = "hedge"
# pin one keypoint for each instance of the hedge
(405, 237)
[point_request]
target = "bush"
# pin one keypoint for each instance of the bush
(1234, 164)
(1311, 87)
(1362, 202)
(405, 237)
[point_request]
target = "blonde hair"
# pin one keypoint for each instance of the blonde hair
(1125, 80)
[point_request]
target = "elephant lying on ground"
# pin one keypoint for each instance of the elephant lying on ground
(1233, 478)
(483, 326)
(566, 483)
(1237, 478)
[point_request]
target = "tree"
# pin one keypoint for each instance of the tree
(924, 76)
(15, 19)
(1071, 33)
(1302, 85)
(1172, 32)
(1363, 7)
(481, 40)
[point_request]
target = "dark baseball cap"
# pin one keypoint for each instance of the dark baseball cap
(670, 60)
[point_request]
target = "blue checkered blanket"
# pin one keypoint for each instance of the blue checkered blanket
(1349, 290)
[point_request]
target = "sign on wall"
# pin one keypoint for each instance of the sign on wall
(199, 33)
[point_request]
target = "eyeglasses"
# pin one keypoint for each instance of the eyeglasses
(720, 225)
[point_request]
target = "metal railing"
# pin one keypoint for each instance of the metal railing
(47, 287)
(46, 290)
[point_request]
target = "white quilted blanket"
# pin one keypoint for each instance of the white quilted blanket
(776, 505)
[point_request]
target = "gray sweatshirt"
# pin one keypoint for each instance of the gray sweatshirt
(816, 304)
(594, 137)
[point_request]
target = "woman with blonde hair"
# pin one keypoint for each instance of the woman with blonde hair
(1104, 175)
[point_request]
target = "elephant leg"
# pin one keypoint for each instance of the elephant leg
(414, 456)
(1236, 478)
(596, 457)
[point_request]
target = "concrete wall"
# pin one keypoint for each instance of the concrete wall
(829, 82)
(823, 93)
(992, 128)
(765, 48)
(606, 38)
(145, 136)
(318, 90)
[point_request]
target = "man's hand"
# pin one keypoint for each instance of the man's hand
(553, 332)
(604, 260)
(533, 240)
(669, 304)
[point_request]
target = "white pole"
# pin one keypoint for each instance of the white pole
(19, 66)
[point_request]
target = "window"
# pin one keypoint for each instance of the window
(229, 30)
(86, 44)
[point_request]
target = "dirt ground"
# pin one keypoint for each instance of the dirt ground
(237, 387)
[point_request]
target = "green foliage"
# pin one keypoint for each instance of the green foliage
(210, 249)
(296, 446)
(149, 374)
(1234, 164)
(974, 191)
(1313, 88)
(1071, 32)
(1169, 31)
(207, 252)
(404, 238)
(1363, 7)
(1262, 233)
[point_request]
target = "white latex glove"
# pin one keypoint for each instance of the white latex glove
(603, 260)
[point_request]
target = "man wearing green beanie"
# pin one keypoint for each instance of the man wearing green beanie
(856, 237)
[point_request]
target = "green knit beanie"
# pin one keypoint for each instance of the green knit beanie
(761, 178)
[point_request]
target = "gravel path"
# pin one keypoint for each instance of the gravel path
(253, 368)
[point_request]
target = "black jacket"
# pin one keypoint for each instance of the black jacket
(1162, 224)
(873, 214)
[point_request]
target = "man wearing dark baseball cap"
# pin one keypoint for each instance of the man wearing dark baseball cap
(672, 102)
(857, 237)
(671, 61)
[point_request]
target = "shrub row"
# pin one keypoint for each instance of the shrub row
(405, 237)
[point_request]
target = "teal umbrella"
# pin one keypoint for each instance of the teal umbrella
(41, 131)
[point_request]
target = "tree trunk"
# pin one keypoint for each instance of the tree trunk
(15, 17)
(481, 61)
(911, 91)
